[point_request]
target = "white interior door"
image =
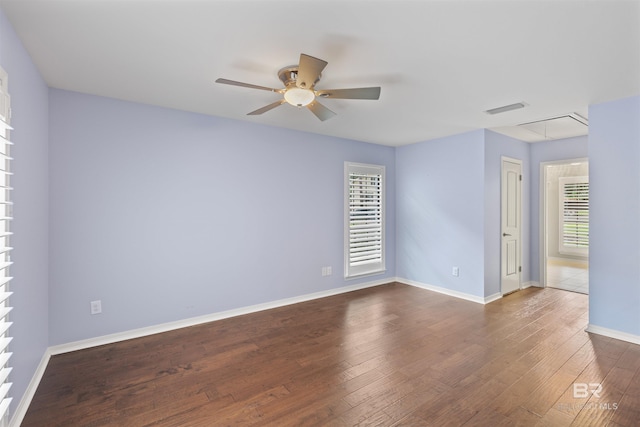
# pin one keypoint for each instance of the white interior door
(511, 218)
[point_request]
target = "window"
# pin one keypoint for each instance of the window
(5, 260)
(574, 215)
(364, 219)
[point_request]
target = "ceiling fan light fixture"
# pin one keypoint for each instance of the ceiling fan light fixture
(299, 97)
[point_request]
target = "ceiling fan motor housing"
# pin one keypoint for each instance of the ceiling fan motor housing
(289, 75)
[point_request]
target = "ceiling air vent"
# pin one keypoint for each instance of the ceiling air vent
(506, 108)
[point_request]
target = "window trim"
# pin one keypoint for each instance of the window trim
(370, 268)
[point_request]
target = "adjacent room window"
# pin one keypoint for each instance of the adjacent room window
(5, 259)
(574, 215)
(364, 219)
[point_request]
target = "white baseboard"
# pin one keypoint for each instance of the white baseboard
(492, 298)
(612, 333)
(165, 327)
(23, 405)
(452, 293)
(526, 285)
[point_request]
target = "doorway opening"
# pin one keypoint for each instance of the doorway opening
(565, 231)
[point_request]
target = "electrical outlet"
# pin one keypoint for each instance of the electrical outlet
(455, 271)
(96, 307)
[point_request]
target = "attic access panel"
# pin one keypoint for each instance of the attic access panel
(558, 127)
(567, 126)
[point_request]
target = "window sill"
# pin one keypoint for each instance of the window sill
(367, 274)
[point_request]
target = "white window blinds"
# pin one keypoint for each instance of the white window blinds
(364, 219)
(5, 259)
(574, 215)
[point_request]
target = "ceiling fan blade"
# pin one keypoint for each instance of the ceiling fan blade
(309, 70)
(250, 86)
(321, 112)
(267, 108)
(356, 93)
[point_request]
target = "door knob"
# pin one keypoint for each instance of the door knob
(505, 234)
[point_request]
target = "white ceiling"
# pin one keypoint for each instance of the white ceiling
(440, 64)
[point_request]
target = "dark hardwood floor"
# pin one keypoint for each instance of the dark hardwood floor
(393, 355)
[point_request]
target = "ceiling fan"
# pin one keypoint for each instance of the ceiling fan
(299, 88)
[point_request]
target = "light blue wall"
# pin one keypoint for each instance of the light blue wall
(614, 185)
(30, 196)
(165, 215)
(548, 151)
(497, 146)
(440, 212)
(448, 201)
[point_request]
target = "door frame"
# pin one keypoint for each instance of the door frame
(504, 159)
(542, 216)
